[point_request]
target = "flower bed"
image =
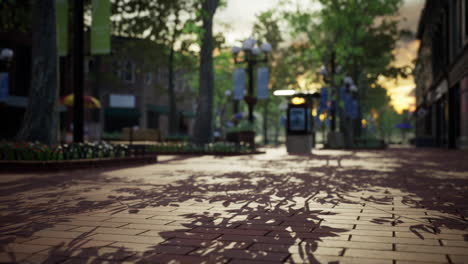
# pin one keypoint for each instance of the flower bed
(37, 156)
(218, 148)
(40, 152)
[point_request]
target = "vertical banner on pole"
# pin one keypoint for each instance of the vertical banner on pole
(61, 11)
(4, 81)
(262, 83)
(100, 28)
(239, 83)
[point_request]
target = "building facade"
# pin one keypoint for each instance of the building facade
(132, 86)
(441, 75)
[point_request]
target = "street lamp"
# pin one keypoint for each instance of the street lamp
(251, 57)
(6, 55)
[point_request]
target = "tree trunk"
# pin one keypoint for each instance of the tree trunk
(203, 123)
(173, 118)
(40, 121)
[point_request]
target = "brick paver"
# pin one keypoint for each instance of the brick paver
(395, 206)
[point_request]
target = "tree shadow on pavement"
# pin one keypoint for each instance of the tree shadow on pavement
(263, 215)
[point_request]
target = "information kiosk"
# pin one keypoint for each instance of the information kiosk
(299, 125)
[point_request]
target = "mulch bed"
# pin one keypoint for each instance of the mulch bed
(58, 165)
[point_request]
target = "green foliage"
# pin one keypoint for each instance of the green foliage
(358, 35)
(112, 136)
(15, 16)
(178, 138)
(244, 125)
(378, 98)
(386, 122)
(267, 29)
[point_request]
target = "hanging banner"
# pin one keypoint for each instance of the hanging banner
(4, 81)
(61, 16)
(262, 83)
(239, 83)
(322, 107)
(100, 27)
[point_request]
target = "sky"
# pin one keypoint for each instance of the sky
(236, 21)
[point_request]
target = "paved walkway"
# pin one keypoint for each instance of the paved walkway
(394, 206)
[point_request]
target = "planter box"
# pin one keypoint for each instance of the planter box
(33, 166)
(247, 137)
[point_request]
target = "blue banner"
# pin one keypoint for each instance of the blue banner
(323, 101)
(350, 104)
(239, 83)
(4, 81)
(262, 83)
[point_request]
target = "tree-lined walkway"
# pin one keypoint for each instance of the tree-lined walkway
(393, 206)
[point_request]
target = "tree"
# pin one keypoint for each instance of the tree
(40, 121)
(357, 36)
(203, 123)
(15, 16)
(223, 68)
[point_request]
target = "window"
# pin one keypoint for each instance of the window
(129, 72)
(88, 66)
(148, 78)
(179, 85)
(163, 76)
(117, 69)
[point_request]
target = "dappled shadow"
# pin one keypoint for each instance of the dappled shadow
(266, 214)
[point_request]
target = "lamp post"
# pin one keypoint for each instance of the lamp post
(6, 55)
(78, 74)
(251, 58)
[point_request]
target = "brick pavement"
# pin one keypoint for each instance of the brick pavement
(394, 206)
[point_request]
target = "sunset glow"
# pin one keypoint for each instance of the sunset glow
(401, 90)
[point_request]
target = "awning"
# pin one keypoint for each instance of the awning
(158, 109)
(122, 112)
(22, 102)
(188, 114)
